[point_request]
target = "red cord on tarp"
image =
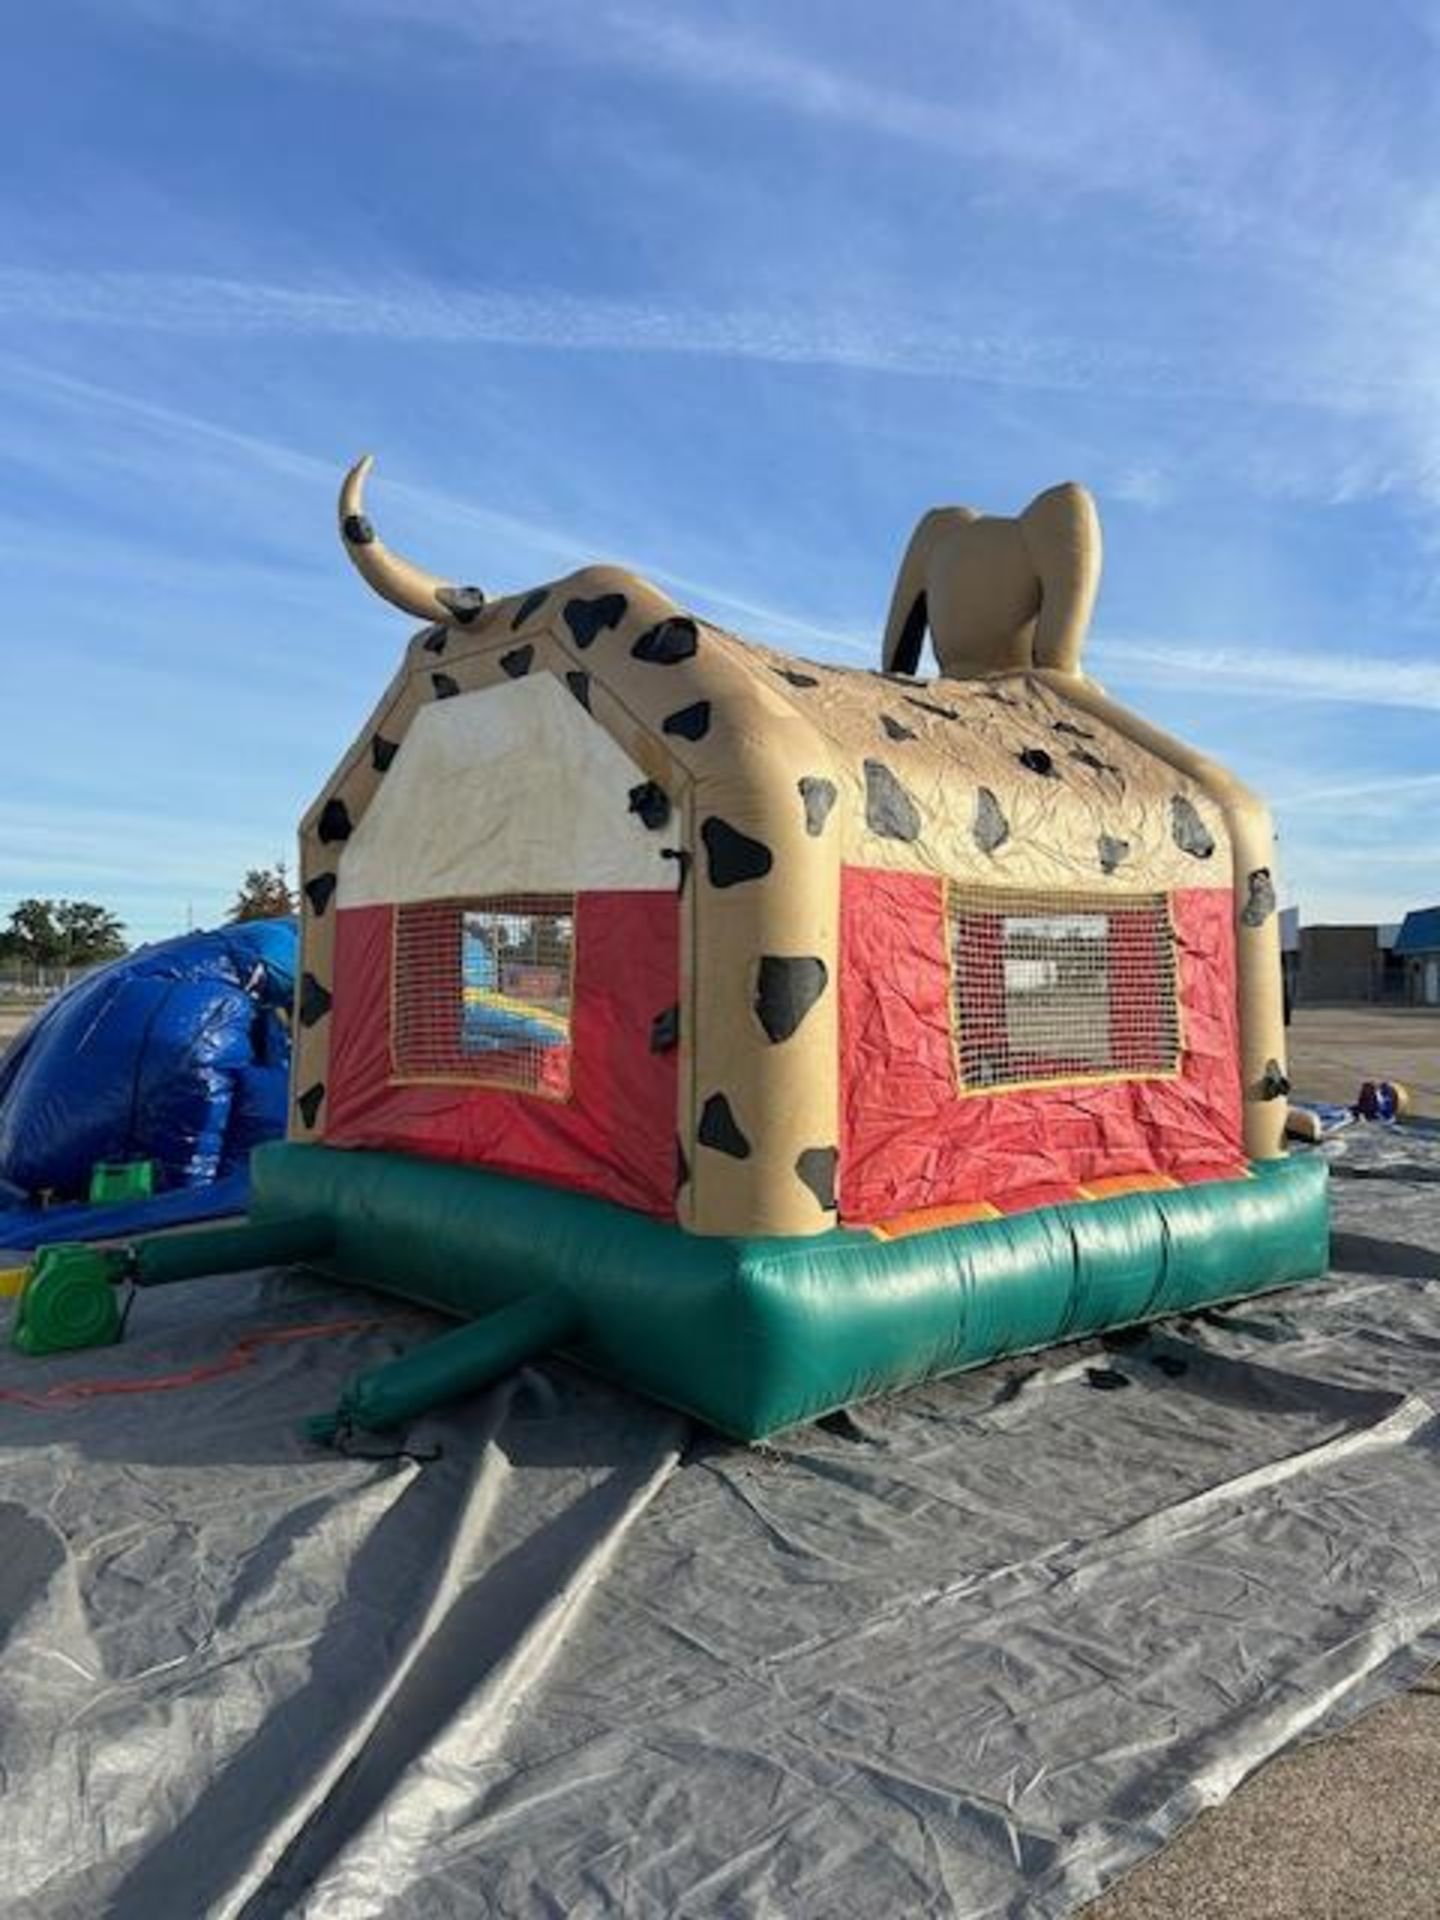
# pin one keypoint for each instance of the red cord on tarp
(240, 1356)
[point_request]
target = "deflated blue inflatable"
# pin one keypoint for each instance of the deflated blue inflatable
(178, 1053)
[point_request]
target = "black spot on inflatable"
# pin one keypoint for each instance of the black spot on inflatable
(436, 640)
(357, 530)
(889, 810)
(579, 685)
(518, 661)
(668, 644)
(896, 729)
(587, 618)
(681, 857)
(990, 827)
(933, 706)
(819, 798)
(797, 679)
(1113, 852)
(682, 1165)
(445, 687)
(319, 892)
(665, 1030)
(786, 989)
(314, 1000)
(465, 603)
(1188, 830)
(334, 823)
(532, 603)
(1083, 757)
(1259, 900)
(1274, 1082)
(733, 856)
(1037, 760)
(309, 1103)
(816, 1168)
(382, 752)
(690, 723)
(1069, 726)
(652, 803)
(719, 1130)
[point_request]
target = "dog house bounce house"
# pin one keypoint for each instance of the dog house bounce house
(767, 1033)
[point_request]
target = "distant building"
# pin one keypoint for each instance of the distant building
(1418, 951)
(1289, 956)
(1355, 964)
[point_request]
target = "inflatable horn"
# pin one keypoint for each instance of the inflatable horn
(396, 580)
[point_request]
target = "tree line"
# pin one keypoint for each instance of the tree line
(83, 933)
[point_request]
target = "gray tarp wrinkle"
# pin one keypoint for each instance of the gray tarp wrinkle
(972, 1651)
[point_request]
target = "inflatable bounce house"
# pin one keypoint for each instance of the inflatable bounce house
(171, 1064)
(766, 1033)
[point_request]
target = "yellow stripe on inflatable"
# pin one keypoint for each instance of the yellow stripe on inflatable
(12, 1281)
(502, 1003)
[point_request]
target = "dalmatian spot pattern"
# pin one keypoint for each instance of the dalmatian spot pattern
(990, 827)
(816, 1168)
(733, 856)
(1188, 830)
(587, 619)
(518, 661)
(1259, 898)
(579, 684)
(688, 723)
(819, 796)
(1113, 852)
(896, 729)
(720, 1131)
(445, 686)
(315, 1000)
(651, 802)
(310, 1103)
(319, 892)
(1037, 760)
(334, 823)
(787, 987)
(530, 605)
(463, 603)
(890, 812)
(357, 530)
(665, 1030)
(436, 640)
(667, 644)
(382, 752)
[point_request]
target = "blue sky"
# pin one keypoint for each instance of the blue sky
(729, 293)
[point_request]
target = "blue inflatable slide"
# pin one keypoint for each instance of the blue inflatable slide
(178, 1054)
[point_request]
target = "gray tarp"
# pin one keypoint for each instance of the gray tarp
(971, 1651)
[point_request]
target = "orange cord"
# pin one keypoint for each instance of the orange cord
(240, 1356)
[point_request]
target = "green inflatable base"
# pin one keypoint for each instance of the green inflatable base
(752, 1335)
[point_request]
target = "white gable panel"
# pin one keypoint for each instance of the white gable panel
(511, 790)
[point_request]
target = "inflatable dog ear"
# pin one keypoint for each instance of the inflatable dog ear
(998, 596)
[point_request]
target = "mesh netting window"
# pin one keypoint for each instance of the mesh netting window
(482, 991)
(1049, 988)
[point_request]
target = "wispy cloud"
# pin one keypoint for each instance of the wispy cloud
(1369, 681)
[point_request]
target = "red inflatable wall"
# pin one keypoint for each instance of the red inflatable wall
(908, 1142)
(613, 1135)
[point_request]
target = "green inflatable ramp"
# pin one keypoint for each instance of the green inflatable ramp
(752, 1335)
